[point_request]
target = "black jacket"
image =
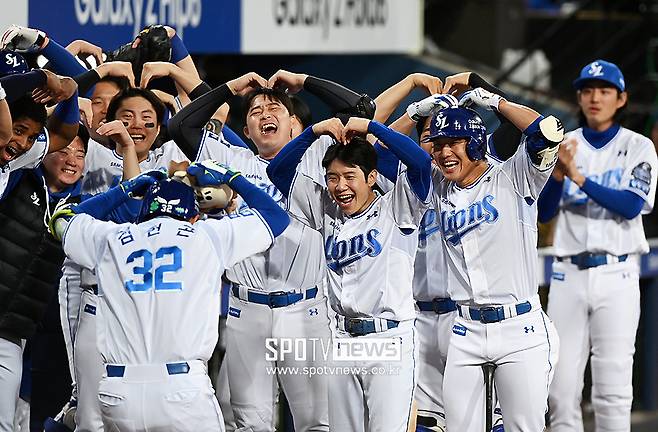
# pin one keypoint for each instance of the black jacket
(30, 258)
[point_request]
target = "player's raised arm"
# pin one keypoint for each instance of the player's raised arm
(186, 127)
(119, 69)
(28, 40)
(101, 206)
(64, 122)
(211, 173)
(341, 100)
(186, 80)
(417, 161)
(281, 170)
(389, 99)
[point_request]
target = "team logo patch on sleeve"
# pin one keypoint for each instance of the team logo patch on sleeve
(641, 177)
(459, 329)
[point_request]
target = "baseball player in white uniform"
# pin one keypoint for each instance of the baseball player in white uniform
(153, 335)
(370, 244)
(141, 114)
(436, 311)
(483, 208)
(275, 294)
(604, 181)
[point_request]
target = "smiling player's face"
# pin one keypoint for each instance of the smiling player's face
(450, 156)
(269, 125)
(25, 132)
(141, 121)
(349, 187)
(64, 167)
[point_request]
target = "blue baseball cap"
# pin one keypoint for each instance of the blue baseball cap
(603, 71)
(12, 63)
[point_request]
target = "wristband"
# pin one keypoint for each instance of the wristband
(178, 49)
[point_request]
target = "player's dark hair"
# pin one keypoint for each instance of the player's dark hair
(121, 82)
(619, 115)
(155, 102)
(274, 94)
(83, 134)
(301, 110)
(357, 153)
(420, 126)
(25, 107)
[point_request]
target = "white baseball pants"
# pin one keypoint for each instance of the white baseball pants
(525, 350)
(596, 311)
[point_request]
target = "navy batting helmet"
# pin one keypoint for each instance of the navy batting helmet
(12, 63)
(459, 122)
(169, 198)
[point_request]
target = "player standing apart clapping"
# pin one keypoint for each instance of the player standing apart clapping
(604, 181)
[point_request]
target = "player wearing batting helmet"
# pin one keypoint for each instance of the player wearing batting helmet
(158, 308)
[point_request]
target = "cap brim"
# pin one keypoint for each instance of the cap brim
(580, 83)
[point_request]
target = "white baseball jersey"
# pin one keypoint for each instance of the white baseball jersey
(30, 159)
(370, 256)
(490, 232)
(627, 162)
(295, 259)
(104, 166)
(159, 281)
(431, 265)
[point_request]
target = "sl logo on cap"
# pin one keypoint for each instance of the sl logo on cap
(595, 69)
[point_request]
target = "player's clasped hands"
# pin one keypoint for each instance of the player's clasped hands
(481, 98)
(565, 158)
(430, 106)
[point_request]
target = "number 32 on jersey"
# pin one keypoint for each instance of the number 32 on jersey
(154, 269)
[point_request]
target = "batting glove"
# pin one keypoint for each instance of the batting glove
(482, 98)
(212, 173)
(138, 185)
(22, 39)
(430, 105)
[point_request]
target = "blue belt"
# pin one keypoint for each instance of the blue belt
(276, 299)
(493, 314)
(114, 371)
(361, 327)
(438, 305)
(587, 260)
